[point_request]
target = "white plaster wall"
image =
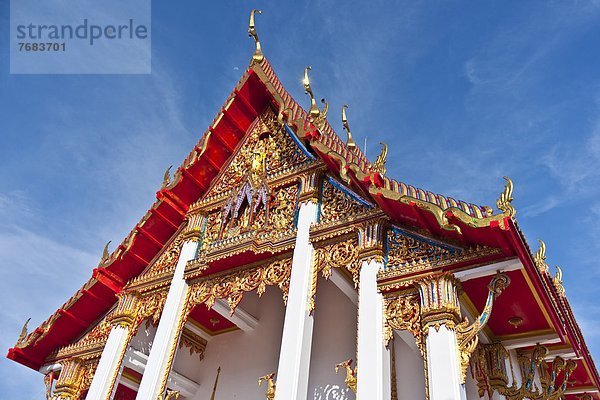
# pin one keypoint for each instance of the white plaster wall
(143, 338)
(471, 387)
(410, 371)
(334, 340)
(242, 356)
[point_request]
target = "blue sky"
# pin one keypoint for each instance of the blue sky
(463, 93)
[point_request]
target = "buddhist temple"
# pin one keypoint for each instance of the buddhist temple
(279, 262)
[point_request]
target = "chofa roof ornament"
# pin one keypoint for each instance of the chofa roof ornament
(317, 116)
(258, 55)
(505, 199)
(350, 143)
(379, 164)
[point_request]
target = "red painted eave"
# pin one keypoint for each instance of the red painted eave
(156, 228)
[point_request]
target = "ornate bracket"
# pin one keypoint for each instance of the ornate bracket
(269, 378)
(467, 334)
(492, 376)
(350, 380)
(403, 313)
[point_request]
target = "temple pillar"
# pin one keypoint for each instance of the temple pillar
(450, 341)
(123, 320)
(296, 340)
(440, 313)
(164, 345)
(373, 357)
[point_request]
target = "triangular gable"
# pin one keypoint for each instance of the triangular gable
(258, 90)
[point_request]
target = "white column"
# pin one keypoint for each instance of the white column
(104, 382)
(167, 333)
(296, 341)
(373, 358)
(123, 319)
(443, 365)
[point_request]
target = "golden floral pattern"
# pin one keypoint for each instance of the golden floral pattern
(233, 285)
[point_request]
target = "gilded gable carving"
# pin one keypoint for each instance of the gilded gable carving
(268, 149)
(337, 205)
(408, 253)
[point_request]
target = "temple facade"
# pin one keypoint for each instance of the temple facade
(278, 262)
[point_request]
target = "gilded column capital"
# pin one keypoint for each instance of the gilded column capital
(309, 186)
(371, 240)
(125, 315)
(439, 300)
(193, 229)
(68, 384)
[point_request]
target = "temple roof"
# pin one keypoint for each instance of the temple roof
(440, 216)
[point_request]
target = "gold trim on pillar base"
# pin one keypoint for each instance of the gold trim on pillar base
(350, 380)
(271, 385)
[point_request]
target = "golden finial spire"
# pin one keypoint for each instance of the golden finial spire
(379, 164)
(258, 55)
(504, 202)
(540, 257)
(314, 110)
(350, 143)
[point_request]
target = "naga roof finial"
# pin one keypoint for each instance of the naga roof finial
(167, 177)
(557, 281)
(314, 110)
(258, 55)
(506, 198)
(24, 332)
(379, 164)
(540, 257)
(105, 254)
(350, 143)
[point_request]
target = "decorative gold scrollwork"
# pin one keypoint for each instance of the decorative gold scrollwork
(271, 385)
(403, 313)
(490, 372)
(339, 255)
(233, 285)
(350, 380)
